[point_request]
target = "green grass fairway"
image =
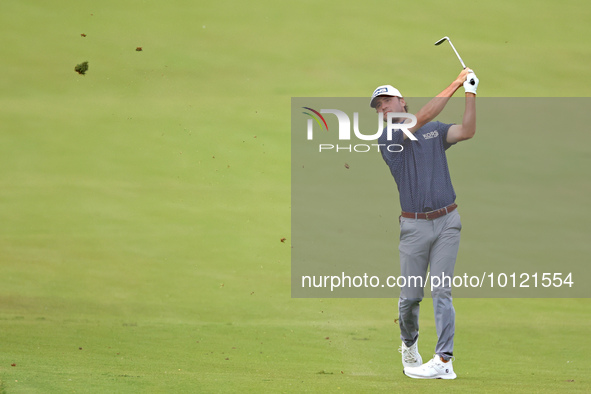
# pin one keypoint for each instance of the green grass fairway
(142, 206)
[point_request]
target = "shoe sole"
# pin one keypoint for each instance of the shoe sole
(444, 377)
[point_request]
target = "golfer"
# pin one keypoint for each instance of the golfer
(430, 223)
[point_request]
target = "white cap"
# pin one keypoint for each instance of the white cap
(384, 90)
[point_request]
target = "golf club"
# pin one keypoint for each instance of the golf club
(457, 54)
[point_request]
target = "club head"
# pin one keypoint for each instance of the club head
(443, 39)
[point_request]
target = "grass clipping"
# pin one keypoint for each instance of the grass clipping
(81, 68)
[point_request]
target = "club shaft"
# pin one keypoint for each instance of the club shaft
(457, 54)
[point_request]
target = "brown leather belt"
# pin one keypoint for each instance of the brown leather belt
(430, 215)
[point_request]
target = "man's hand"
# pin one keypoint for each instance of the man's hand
(471, 83)
(463, 75)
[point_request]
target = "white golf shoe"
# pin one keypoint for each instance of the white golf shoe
(410, 355)
(433, 369)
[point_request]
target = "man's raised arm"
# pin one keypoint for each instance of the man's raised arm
(466, 130)
(436, 104)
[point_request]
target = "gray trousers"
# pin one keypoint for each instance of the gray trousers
(423, 243)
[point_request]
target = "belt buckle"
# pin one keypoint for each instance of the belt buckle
(427, 215)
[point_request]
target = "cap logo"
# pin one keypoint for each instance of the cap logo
(380, 91)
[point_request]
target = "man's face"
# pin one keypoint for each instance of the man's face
(387, 104)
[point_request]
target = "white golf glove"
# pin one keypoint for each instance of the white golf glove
(471, 83)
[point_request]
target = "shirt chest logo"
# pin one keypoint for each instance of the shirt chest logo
(430, 135)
